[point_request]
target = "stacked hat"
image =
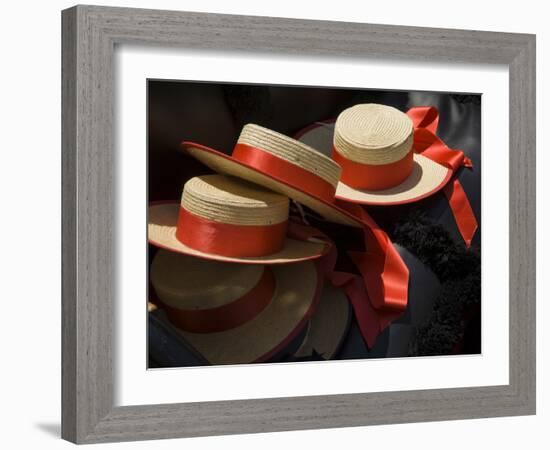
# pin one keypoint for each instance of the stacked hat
(393, 158)
(230, 220)
(234, 313)
(282, 164)
(374, 146)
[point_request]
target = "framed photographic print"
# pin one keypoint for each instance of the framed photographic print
(267, 230)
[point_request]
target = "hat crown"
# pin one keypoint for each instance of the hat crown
(230, 200)
(373, 134)
(292, 151)
(186, 282)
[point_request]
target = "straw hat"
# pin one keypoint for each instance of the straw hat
(234, 313)
(282, 164)
(167, 347)
(328, 326)
(374, 145)
(231, 220)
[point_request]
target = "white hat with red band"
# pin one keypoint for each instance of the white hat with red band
(234, 313)
(282, 164)
(231, 220)
(374, 146)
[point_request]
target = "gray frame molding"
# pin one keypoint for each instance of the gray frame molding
(89, 36)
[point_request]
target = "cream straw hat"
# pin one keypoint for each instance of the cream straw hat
(374, 145)
(328, 326)
(282, 164)
(231, 220)
(234, 313)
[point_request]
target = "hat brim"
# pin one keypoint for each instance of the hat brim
(297, 294)
(222, 163)
(161, 231)
(328, 326)
(427, 177)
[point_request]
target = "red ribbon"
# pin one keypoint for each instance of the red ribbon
(385, 274)
(425, 120)
(285, 171)
(227, 239)
(462, 210)
(373, 177)
(229, 316)
(380, 295)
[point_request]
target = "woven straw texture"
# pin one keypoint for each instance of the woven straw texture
(291, 150)
(234, 201)
(294, 296)
(373, 134)
(427, 177)
(328, 326)
(222, 163)
(161, 229)
(185, 282)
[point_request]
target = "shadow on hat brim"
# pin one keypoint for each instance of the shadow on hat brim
(296, 297)
(161, 232)
(224, 164)
(427, 177)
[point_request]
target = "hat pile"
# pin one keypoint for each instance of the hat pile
(235, 276)
(235, 280)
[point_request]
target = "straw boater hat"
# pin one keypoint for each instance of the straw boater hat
(374, 146)
(282, 164)
(231, 220)
(167, 347)
(328, 326)
(234, 313)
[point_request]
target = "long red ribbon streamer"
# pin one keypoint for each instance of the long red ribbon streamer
(462, 210)
(385, 274)
(380, 295)
(425, 120)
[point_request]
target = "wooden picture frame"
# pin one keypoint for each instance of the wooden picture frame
(89, 37)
